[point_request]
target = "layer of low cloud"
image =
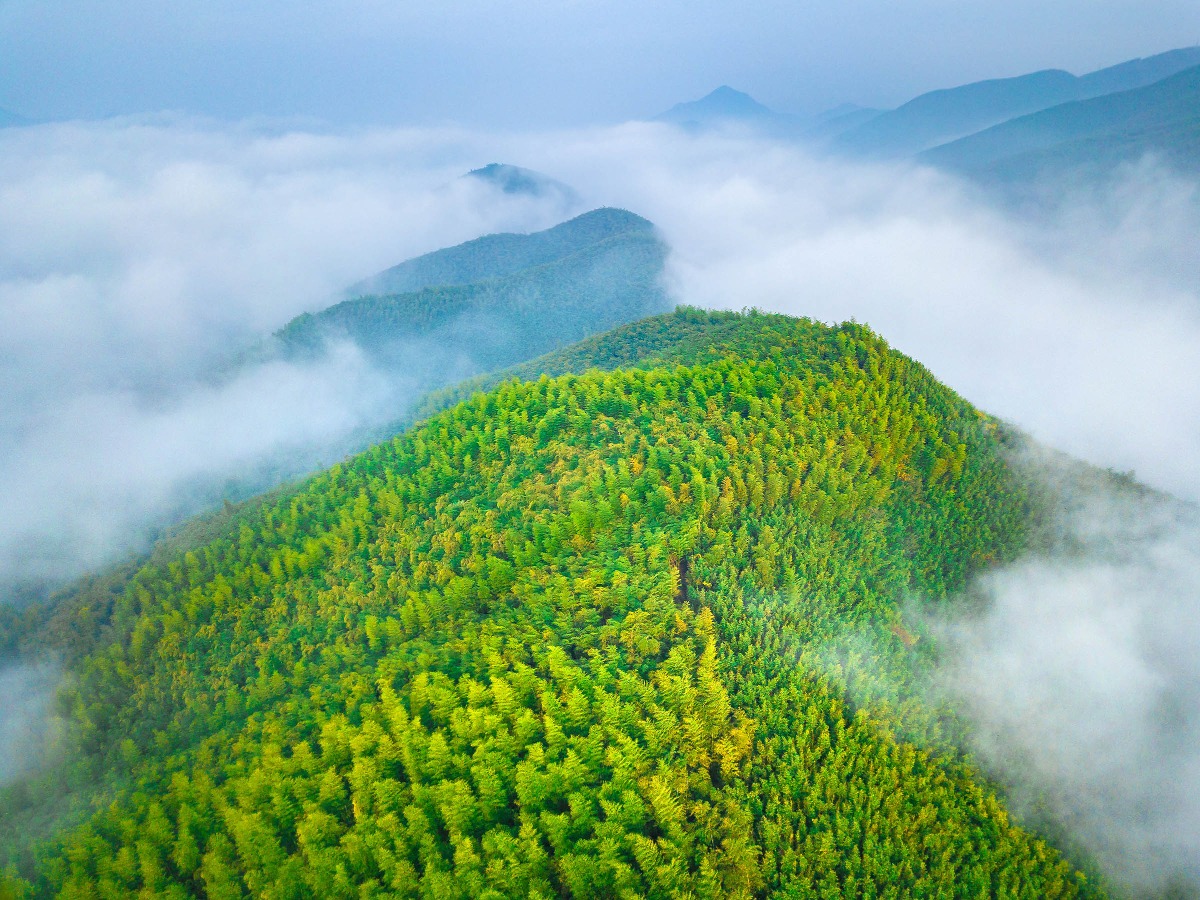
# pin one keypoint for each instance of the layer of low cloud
(1082, 685)
(99, 472)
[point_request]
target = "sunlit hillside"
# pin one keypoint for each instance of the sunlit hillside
(592, 635)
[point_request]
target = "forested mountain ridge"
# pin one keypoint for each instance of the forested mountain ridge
(578, 636)
(497, 321)
(495, 301)
(73, 619)
(497, 255)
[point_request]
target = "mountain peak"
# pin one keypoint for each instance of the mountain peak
(726, 92)
(725, 103)
(517, 180)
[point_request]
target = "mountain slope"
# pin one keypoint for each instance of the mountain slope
(1138, 73)
(571, 637)
(558, 286)
(841, 119)
(496, 255)
(1163, 118)
(589, 274)
(942, 116)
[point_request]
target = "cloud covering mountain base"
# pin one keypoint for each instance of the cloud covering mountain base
(138, 259)
(1081, 682)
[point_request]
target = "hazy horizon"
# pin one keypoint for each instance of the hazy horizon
(532, 64)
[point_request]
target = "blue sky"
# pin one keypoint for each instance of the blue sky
(540, 62)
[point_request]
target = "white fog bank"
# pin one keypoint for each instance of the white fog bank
(1081, 681)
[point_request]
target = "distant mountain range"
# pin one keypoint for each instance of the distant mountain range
(1163, 118)
(1005, 131)
(946, 115)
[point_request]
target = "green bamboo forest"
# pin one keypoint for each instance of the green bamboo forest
(631, 620)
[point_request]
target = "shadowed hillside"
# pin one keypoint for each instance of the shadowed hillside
(496, 255)
(496, 301)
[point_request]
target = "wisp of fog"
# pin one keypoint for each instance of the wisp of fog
(1082, 684)
(28, 726)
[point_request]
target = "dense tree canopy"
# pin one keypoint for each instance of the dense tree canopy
(599, 634)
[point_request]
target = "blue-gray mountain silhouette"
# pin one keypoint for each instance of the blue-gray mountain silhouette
(942, 116)
(1161, 119)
